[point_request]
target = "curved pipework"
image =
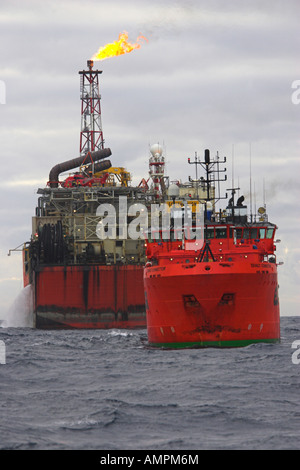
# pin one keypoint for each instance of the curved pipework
(90, 157)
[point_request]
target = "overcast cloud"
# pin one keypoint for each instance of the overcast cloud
(214, 74)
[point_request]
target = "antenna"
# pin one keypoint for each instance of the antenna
(218, 180)
(208, 165)
(250, 182)
(254, 203)
(233, 165)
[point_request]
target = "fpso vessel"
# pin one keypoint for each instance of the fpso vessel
(220, 290)
(78, 279)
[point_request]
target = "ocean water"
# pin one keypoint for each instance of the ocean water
(107, 390)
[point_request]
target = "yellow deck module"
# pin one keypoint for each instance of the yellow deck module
(122, 175)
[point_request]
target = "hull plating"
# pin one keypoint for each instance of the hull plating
(89, 297)
(212, 304)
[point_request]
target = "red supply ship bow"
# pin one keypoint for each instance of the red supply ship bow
(220, 291)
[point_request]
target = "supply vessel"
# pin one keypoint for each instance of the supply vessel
(79, 279)
(219, 287)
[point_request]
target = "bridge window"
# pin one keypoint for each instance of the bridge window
(209, 233)
(239, 232)
(262, 232)
(221, 232)
(270, 232)
(253, 233)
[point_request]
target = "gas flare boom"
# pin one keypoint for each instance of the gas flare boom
(119, 47)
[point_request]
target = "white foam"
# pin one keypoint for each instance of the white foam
(119, 333)
(20, 313)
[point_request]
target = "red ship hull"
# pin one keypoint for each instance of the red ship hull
(89, 296)
(212, 304)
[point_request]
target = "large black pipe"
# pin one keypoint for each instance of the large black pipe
(98, 166)
(90, 157)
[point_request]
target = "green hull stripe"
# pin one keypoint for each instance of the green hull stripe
(214, 344)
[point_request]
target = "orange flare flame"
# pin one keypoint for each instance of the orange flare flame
(122, 46)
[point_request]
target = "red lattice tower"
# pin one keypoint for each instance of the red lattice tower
(91, 134)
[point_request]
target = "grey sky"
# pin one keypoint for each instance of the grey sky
(214, 74)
